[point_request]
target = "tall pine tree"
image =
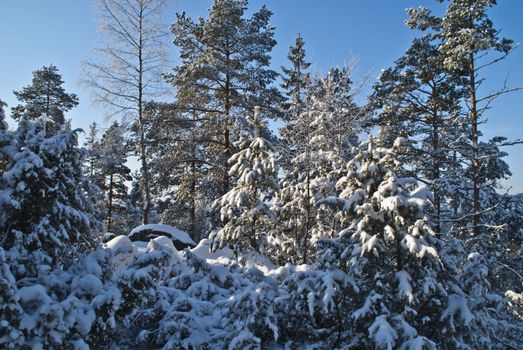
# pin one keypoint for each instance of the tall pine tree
(112, 159)
(419, 99)
(183, 195)
(225, 69)
(468, 37)
(45, 97)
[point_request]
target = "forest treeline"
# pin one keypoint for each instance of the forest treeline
(380, 224)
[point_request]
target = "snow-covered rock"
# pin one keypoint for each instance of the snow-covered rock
(147, 232)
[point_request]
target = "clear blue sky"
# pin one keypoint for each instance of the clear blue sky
(36, 33)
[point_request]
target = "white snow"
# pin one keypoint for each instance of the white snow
(404, 287)
(382, 333)
(120, 244)
(371, 299)
(90, 283)
(458, 304)
(124, 252)
(203, 250)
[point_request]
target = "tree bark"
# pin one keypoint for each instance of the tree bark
(48, 100)
(110, 204)
(192, 212)
(307, 205)
(436, 166)
(474, 141)
(226, 136)
(143, 156)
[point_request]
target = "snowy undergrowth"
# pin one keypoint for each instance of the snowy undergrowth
(149, 295)
(136, 295)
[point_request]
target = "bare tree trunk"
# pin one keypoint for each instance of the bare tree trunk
(48, 102)
(436, 166)
(143, 156)
(110, 204)
(307, 220)
(226, 136)
(128, 71)
(194, 155)
(145, 173)
(307, 205)
(474, 141)
(192, 212)
(456, 203)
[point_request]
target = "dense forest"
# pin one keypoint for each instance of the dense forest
(267, 209)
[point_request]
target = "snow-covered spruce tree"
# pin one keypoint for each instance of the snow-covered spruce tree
(302, 217)
(6, 139)
(45, 97)
(112, 161)
(245, 212)
(10, 310)
(91, 146)
(3, 124)
(495, 314)
(44, 214)
(506, 271)
(296, 78)
(93, 180)
(320, 140)
(293, 203)
(409, 294)
(59, 309)
(338, 119)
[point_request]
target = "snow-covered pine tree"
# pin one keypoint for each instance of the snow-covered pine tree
(184, 194)
(470, 44)
(245, 211)
(419, 99)
(44, 215)
(468, 40)
(112, 159)
(409, 294)
(45, 97)
(225, 68)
